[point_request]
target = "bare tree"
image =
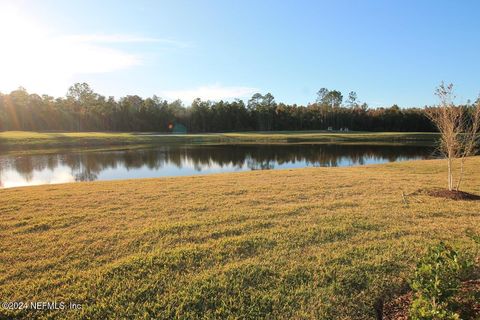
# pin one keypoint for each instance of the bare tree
(471, 139)
(459, 132)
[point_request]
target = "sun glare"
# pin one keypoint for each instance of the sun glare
(43, 61)
(22, 59)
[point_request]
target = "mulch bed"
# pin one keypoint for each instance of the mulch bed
(397, 309)
(467, 297)
(452, 194)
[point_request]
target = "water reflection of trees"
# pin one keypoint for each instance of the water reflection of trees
(85, 166)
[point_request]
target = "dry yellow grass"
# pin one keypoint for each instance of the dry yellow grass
(315, 243)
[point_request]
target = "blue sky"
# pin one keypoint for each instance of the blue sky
(387, 51)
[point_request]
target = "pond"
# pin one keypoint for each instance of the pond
(180, 160)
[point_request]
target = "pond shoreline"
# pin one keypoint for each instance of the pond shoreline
(56, 165)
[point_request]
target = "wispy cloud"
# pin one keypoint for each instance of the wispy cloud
(377, 104)
(46, 62)
(123, 38)
(211, 92)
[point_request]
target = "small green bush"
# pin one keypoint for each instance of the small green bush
(435, 283)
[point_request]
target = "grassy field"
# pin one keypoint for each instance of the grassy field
(22, 139)
(315, 243)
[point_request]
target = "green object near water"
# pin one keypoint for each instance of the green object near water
(179, 128)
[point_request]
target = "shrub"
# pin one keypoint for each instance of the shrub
(435, 283)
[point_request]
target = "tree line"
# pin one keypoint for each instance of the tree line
(84, 110)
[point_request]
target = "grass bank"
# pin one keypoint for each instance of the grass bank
(15, 140)
(315, 243)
